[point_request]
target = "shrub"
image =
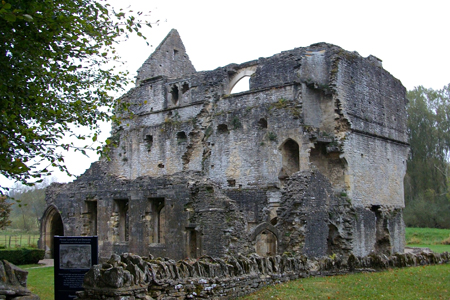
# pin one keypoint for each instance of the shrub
(22, 256)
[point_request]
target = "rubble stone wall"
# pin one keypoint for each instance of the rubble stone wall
(132, 277)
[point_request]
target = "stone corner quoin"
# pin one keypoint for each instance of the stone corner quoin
(309, 160)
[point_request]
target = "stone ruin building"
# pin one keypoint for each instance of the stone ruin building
(309, 160)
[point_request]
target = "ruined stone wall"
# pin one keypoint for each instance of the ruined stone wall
(310, 159)
(132, 277)
(377, 149)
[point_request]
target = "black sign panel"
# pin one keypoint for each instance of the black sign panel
(74, 256)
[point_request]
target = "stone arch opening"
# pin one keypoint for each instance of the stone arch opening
(265, 236)
(51, 225)
(245, 72)
(290, 152)
(266, 243)
(241, 86)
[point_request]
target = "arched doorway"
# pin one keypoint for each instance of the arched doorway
(266, 244)
(51, 225)
(265, 236)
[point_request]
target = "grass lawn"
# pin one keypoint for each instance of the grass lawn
(427, 236)
(429, 282)
(40, 281)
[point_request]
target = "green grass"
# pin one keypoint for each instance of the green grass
(429, 282)
(427, 236)
(40, 281)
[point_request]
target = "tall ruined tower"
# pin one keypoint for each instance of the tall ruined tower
(310, 159)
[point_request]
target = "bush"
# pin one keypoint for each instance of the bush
(22, 256)
(427, 212)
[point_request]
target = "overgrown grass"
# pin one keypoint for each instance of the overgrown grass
(40, 281)
(429, 282)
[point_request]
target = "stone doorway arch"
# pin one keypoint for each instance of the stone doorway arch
(265, 237)
(51, 225)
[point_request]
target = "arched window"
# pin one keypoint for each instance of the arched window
(241, 77)
(242, 85)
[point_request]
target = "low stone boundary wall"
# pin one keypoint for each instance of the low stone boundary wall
(13, 283)
(131, 277)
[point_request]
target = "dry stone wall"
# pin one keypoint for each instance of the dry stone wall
(131, 277)
(13, 283)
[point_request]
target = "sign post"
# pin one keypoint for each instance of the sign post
(74, 256)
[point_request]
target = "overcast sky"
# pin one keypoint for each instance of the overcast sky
(410, 37)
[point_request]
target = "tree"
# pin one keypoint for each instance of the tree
(5, 210)
(59, 72)
(426, 182)
(28, 205)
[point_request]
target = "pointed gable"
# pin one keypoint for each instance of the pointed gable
(169, 59)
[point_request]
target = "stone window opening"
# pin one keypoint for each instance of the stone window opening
(262, 123)
(222, 128)
(290, 152)
(184, 88)
(122, 219)
(231, 182)
(155, 216)
(175, 54)
(149, 142)
(91, 208)
(174, 94)
(181, 137)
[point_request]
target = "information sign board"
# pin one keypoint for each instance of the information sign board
(74, 256)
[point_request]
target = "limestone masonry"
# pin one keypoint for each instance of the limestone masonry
(310, 160)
